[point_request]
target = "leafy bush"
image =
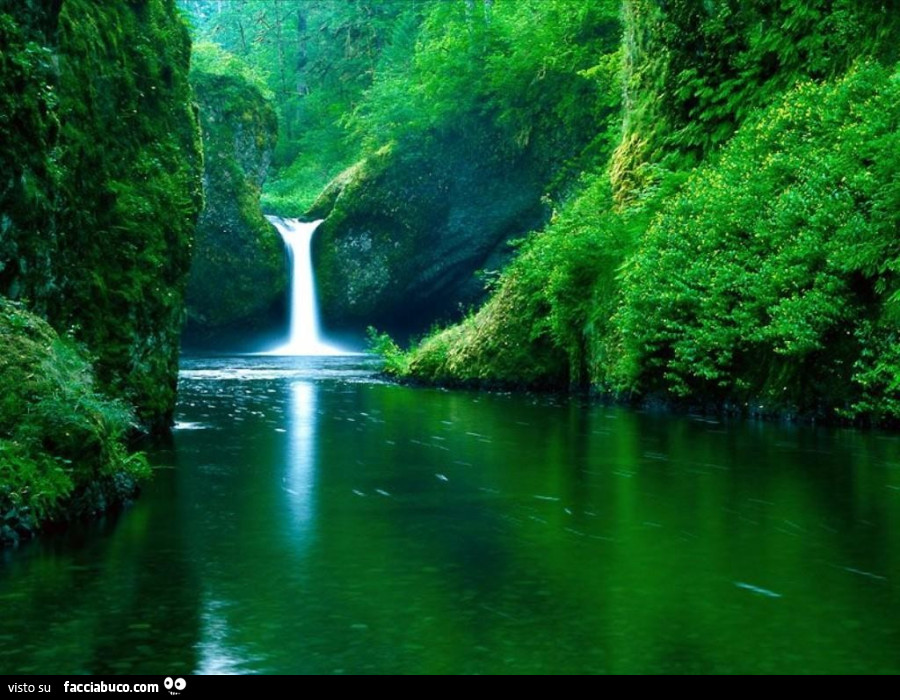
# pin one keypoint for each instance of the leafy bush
(768, 275)
(63, 450)
(383, 345)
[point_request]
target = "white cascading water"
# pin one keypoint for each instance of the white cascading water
(305, 334)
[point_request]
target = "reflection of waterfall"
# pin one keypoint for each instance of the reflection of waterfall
(283, 507)
(219, 652)
(305, 335)
(300, 475)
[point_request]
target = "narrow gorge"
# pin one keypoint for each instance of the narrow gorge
(448, 337)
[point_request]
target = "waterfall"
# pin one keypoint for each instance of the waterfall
(305, 334)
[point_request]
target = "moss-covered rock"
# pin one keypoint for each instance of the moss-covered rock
(239, 270)
(406, 232)
(100, 182)
(502, 346)
(62, 445)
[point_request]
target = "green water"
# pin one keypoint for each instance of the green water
(308, 518)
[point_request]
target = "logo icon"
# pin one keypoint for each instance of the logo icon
(175, 685)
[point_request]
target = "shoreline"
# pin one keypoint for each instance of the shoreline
(756, 410)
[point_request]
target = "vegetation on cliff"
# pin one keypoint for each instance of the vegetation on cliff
(100, 185)
(238, 272)
(100, 188)
(757, 269)
(62, 444)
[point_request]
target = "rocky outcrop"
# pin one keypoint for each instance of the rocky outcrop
(100, 182)
(239, 273)
(405, 235)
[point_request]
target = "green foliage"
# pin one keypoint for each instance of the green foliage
(695, 71)
(208, 59)
(877, 372)
(28, 126)
(63, 449)
(529, 76)
(293, 191)
(768, 273)
(382, 345)
(754, 281)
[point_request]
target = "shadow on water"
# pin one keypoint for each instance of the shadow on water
(309, 518)
(118, 596)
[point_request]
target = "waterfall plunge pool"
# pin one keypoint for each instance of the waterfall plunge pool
(308, 518)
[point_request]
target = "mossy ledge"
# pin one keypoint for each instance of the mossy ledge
(63, 449)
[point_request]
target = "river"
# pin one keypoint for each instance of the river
(309, 518)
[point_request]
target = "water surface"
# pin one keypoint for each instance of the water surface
(308, 518)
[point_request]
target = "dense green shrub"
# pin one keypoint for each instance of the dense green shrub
(768, 276)
(62, 445)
